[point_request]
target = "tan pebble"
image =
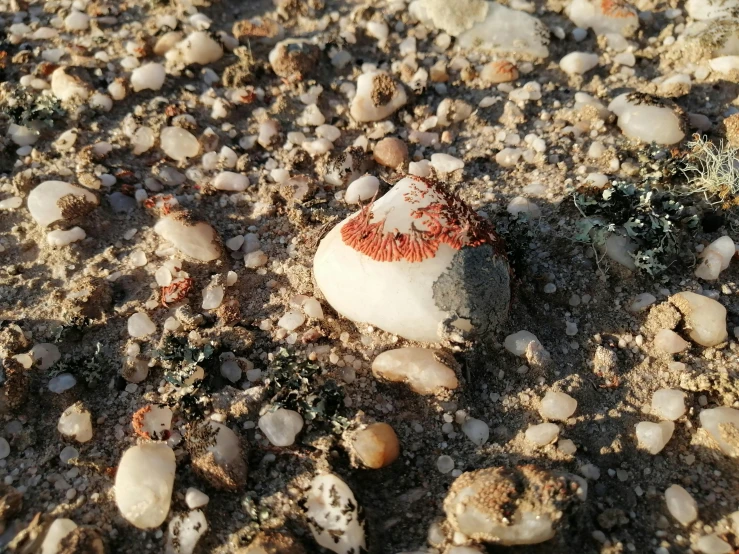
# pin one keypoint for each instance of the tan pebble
(391, 152)
(500, 71)
(376, 445)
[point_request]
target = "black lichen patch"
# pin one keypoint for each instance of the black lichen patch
(476, 287)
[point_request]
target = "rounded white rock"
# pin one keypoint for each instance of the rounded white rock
(231, 181)
(378, 96)
(76, 422)
(364, 188)
(577, 63)
(557, 406)
(705, 318)
(148, 76)
(653, 437)
(140, 325)
(647, 119)
(542, 434)
(196, 239)
(723, 425)
(51, 201)
(681, 505)
(195, 498)
(143, 484)
(59, 528)
(334, 515)
(421, 368)
(184, 532)
(178, 144)
(668, 404)
(281, 426)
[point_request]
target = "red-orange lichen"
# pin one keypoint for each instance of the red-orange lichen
(176, 290)
(446, 220)
(617, 8)
(138, 421)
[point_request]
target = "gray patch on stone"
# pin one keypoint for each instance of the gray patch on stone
(476, 286)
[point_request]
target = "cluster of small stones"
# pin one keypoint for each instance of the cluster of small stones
(204, 252)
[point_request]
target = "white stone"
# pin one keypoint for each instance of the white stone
(603, 17)
(578, 63)
(235, 243)
(452, 18)
(333, 515)
(396, 277)
(45, 354)
(363, 108)
(140, 325)
(420, 368)
(642, 302)
(716, 257)
(509, 157)
(22, 136)
(452, 111)
(705, 318)
(476, 430)
(148, 76)
(653, 437)
(670, 342)
(557, 406)
(646, 120)
(198, 47)
(681, 505)
(542, 434)
(710, 9)
(68, 87)
(231, 370)
(281, 426)
(12, 203)
(723, 426)
(178, 144)
(522, 205)
(76, 422)
(143, 484)
(312, 308)
(713, 544)
(196, 239)
(668, 404)
(59, 528)
(45, 202)
(518, 343)
(64, 238)
(291, 320)
(142, 140)
(311, 116)
(195, 498)
(76, 21)
(364, 188)
(507, 30)
(444, 163)
(213, 297)
(184, 532)
(268, 131)
(62, 383)
(255, 259)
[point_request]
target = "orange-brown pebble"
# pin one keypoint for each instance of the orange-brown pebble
(376, 445)
(731, 127)
(391, 152)
(500, 71)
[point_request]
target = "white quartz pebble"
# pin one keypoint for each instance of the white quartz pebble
(522, 205)
(681, 505)
(61, 383)
(723, 425)
(603, 17)
(518, 343)
(148, 76)
(195, 498)
(184, 532)
(421, 368)
(281, 426)
(648, 119)
(653, 437)
(578, 62)
(76, 21)
(642, 302)
(291, 320)
(542, 434)
(231, 370)
(713, 544)
(476, 430)
(140, 325)
(68, 87)
(198, 47)
(12, 203)
(444, 163)
(178, 143)
(670, 342)
(313, 309)
(362, 189)
(705, 318)
(196, 239)
(142, 140)
(59, 237)
(51, 201)
(212, 297)
(59, 528)
(230, 181)
(373, 85)
(668, 404)
(143, 484)
(76, 422)
(333, 515)
(557, 406)
(715, 258)
(45, 354)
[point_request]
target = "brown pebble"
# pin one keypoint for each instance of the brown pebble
(391, 152)
(376, 445)
(500, 71)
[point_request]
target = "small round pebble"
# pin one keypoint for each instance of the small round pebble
(391, 152)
